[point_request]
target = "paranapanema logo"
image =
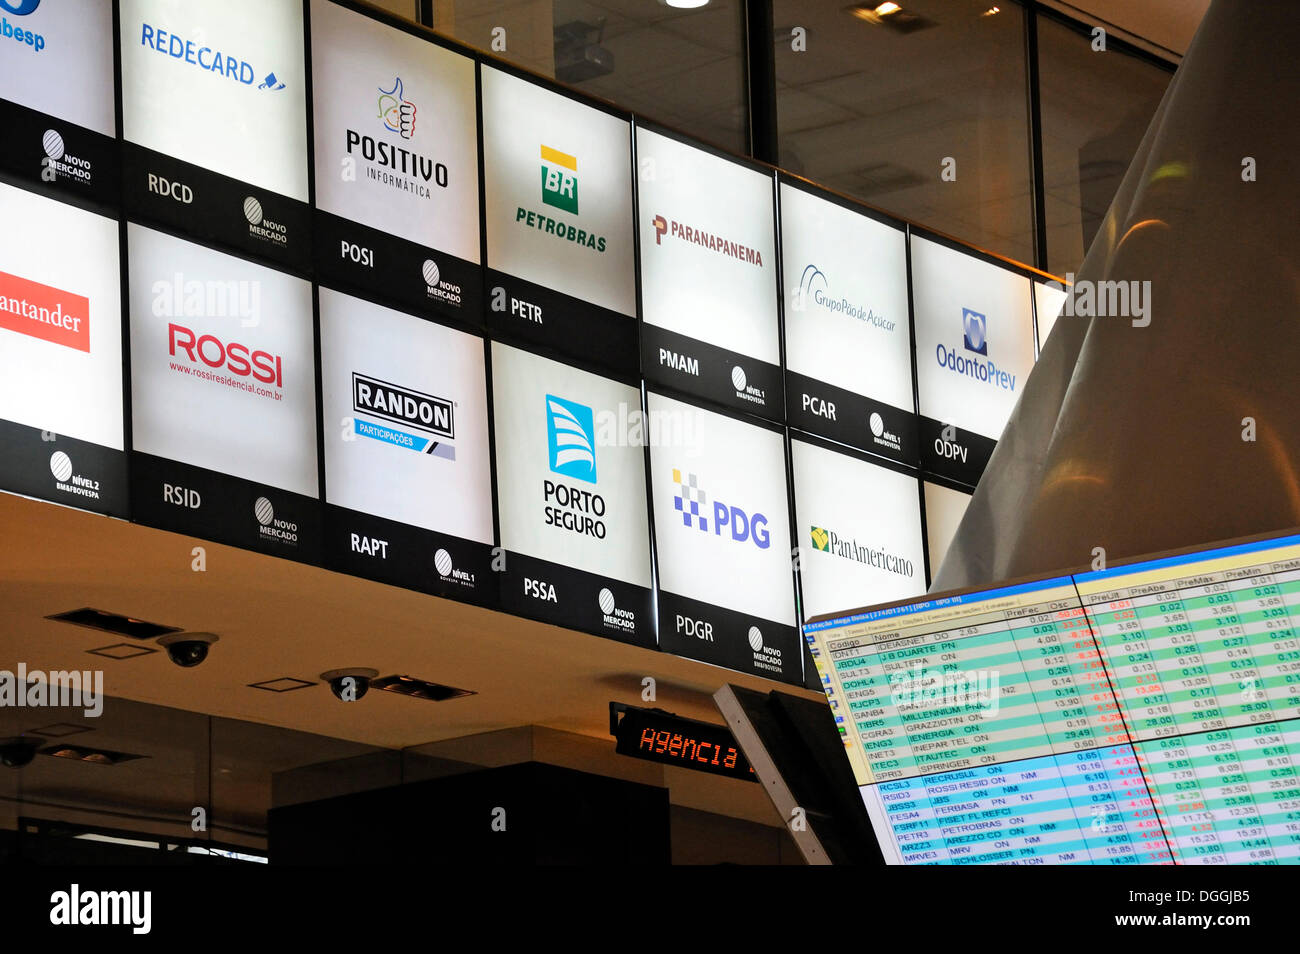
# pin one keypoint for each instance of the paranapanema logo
(559, 191)
(69, 482)
(397, 112)
(206, 58)
(45, 312)
(706, 239)
(975, 340)
(435, 416)
(813, 287)
(37, 689)
(96, 908)
(828, 541)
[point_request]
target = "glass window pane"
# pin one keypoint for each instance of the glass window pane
(876, 103)
(1096, 108)
(684, 68)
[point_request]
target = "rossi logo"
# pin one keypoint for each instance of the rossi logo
(45, 312)
(235, 359)
(571, 438)
(414, 409)
(691, 502)
(397, 112)
(560, 180)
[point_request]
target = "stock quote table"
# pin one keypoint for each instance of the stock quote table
(1145, 714)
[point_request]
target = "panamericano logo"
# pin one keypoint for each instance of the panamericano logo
(571, 438)
(209, 59)
(397, 112)
(706, 239)
(828, 541)
(814, 289)
(434, 416)
(559, 191)
(975, 339)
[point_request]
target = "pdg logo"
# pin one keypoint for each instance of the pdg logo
(19, 8)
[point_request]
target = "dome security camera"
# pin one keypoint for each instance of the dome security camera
(349, 685)
(17, 751)
(188, 650)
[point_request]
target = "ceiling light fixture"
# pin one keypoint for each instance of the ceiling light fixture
(685, 4)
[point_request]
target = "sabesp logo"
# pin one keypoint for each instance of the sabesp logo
(397, 112)
(205, 58)
(236, 359)
(20, 8)
(560, 179)
(975, 329)
(690, 499)
(571, 438)
(45, 312)
(435, 416)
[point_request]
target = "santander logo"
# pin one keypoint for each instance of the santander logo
(44, 312)
(234, 358)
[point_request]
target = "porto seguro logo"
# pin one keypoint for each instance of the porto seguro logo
(692, 502)
(571, 452)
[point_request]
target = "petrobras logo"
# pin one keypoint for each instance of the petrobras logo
(396, 111)
(67, 480)
(559, 191)
(262, 228)
(847, 548)
(271, 529)
(45, 312)
(613, 617)
(692, 502)
(571, 438)
(433, 418)
(13, 31)
(214, 61)
(59, 164)
(390, 164)
(229, 363)
(814, 291)
(560, 180)
(975, 331)
(706, 239)
(975, 340)
(571, 449)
